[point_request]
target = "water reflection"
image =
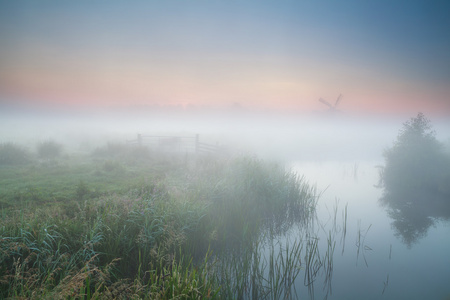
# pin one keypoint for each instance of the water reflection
(414, 211)
(377, 262)
(416, 178)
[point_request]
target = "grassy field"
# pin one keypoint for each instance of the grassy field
(128, 223)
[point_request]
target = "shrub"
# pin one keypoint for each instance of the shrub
(416, 178)
(49, 149)
(416, 160)
(11, 154)
(246, 197)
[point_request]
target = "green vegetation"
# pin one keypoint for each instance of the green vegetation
(417, 159)
(416, 178)
(11, 154)
(49, 150)
(119, 225)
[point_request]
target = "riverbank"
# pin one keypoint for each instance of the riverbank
(137, 224)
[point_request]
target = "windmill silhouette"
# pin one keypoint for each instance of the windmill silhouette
(332, 108)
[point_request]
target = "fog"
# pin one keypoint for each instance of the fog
(175, 149)
(399, 224)
(318, 136)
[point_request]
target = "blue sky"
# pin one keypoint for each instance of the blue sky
(384, 56)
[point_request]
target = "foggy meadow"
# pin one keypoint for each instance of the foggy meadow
(202, 150)
(230, 203)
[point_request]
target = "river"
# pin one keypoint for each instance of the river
(373, 260)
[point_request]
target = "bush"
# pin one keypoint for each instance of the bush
(247, 197)
(416, 179)
(49, 149)
(417, 159)
(11, 154)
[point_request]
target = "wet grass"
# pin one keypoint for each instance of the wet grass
(151, 228)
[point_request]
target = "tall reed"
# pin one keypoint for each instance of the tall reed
(201, 231)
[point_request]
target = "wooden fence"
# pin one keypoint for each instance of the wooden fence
(169, 143)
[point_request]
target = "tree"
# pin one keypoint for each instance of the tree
(416, 180)
(416, 158)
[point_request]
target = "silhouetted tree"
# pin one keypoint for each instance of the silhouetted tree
(416, 159)
(416, 180)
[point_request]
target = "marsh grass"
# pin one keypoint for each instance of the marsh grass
(266, 271)
(110, 241)
(197, 229)
(360, 243)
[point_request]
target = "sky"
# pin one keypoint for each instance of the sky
(385, 57)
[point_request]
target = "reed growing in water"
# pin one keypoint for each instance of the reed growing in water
(197, 232)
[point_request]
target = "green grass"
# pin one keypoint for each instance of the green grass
(151, 227)
(38, 183)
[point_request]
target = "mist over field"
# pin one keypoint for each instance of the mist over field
(267, 180)
(225, 149)
(320, 135)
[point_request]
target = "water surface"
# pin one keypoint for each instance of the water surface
(373, 261)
